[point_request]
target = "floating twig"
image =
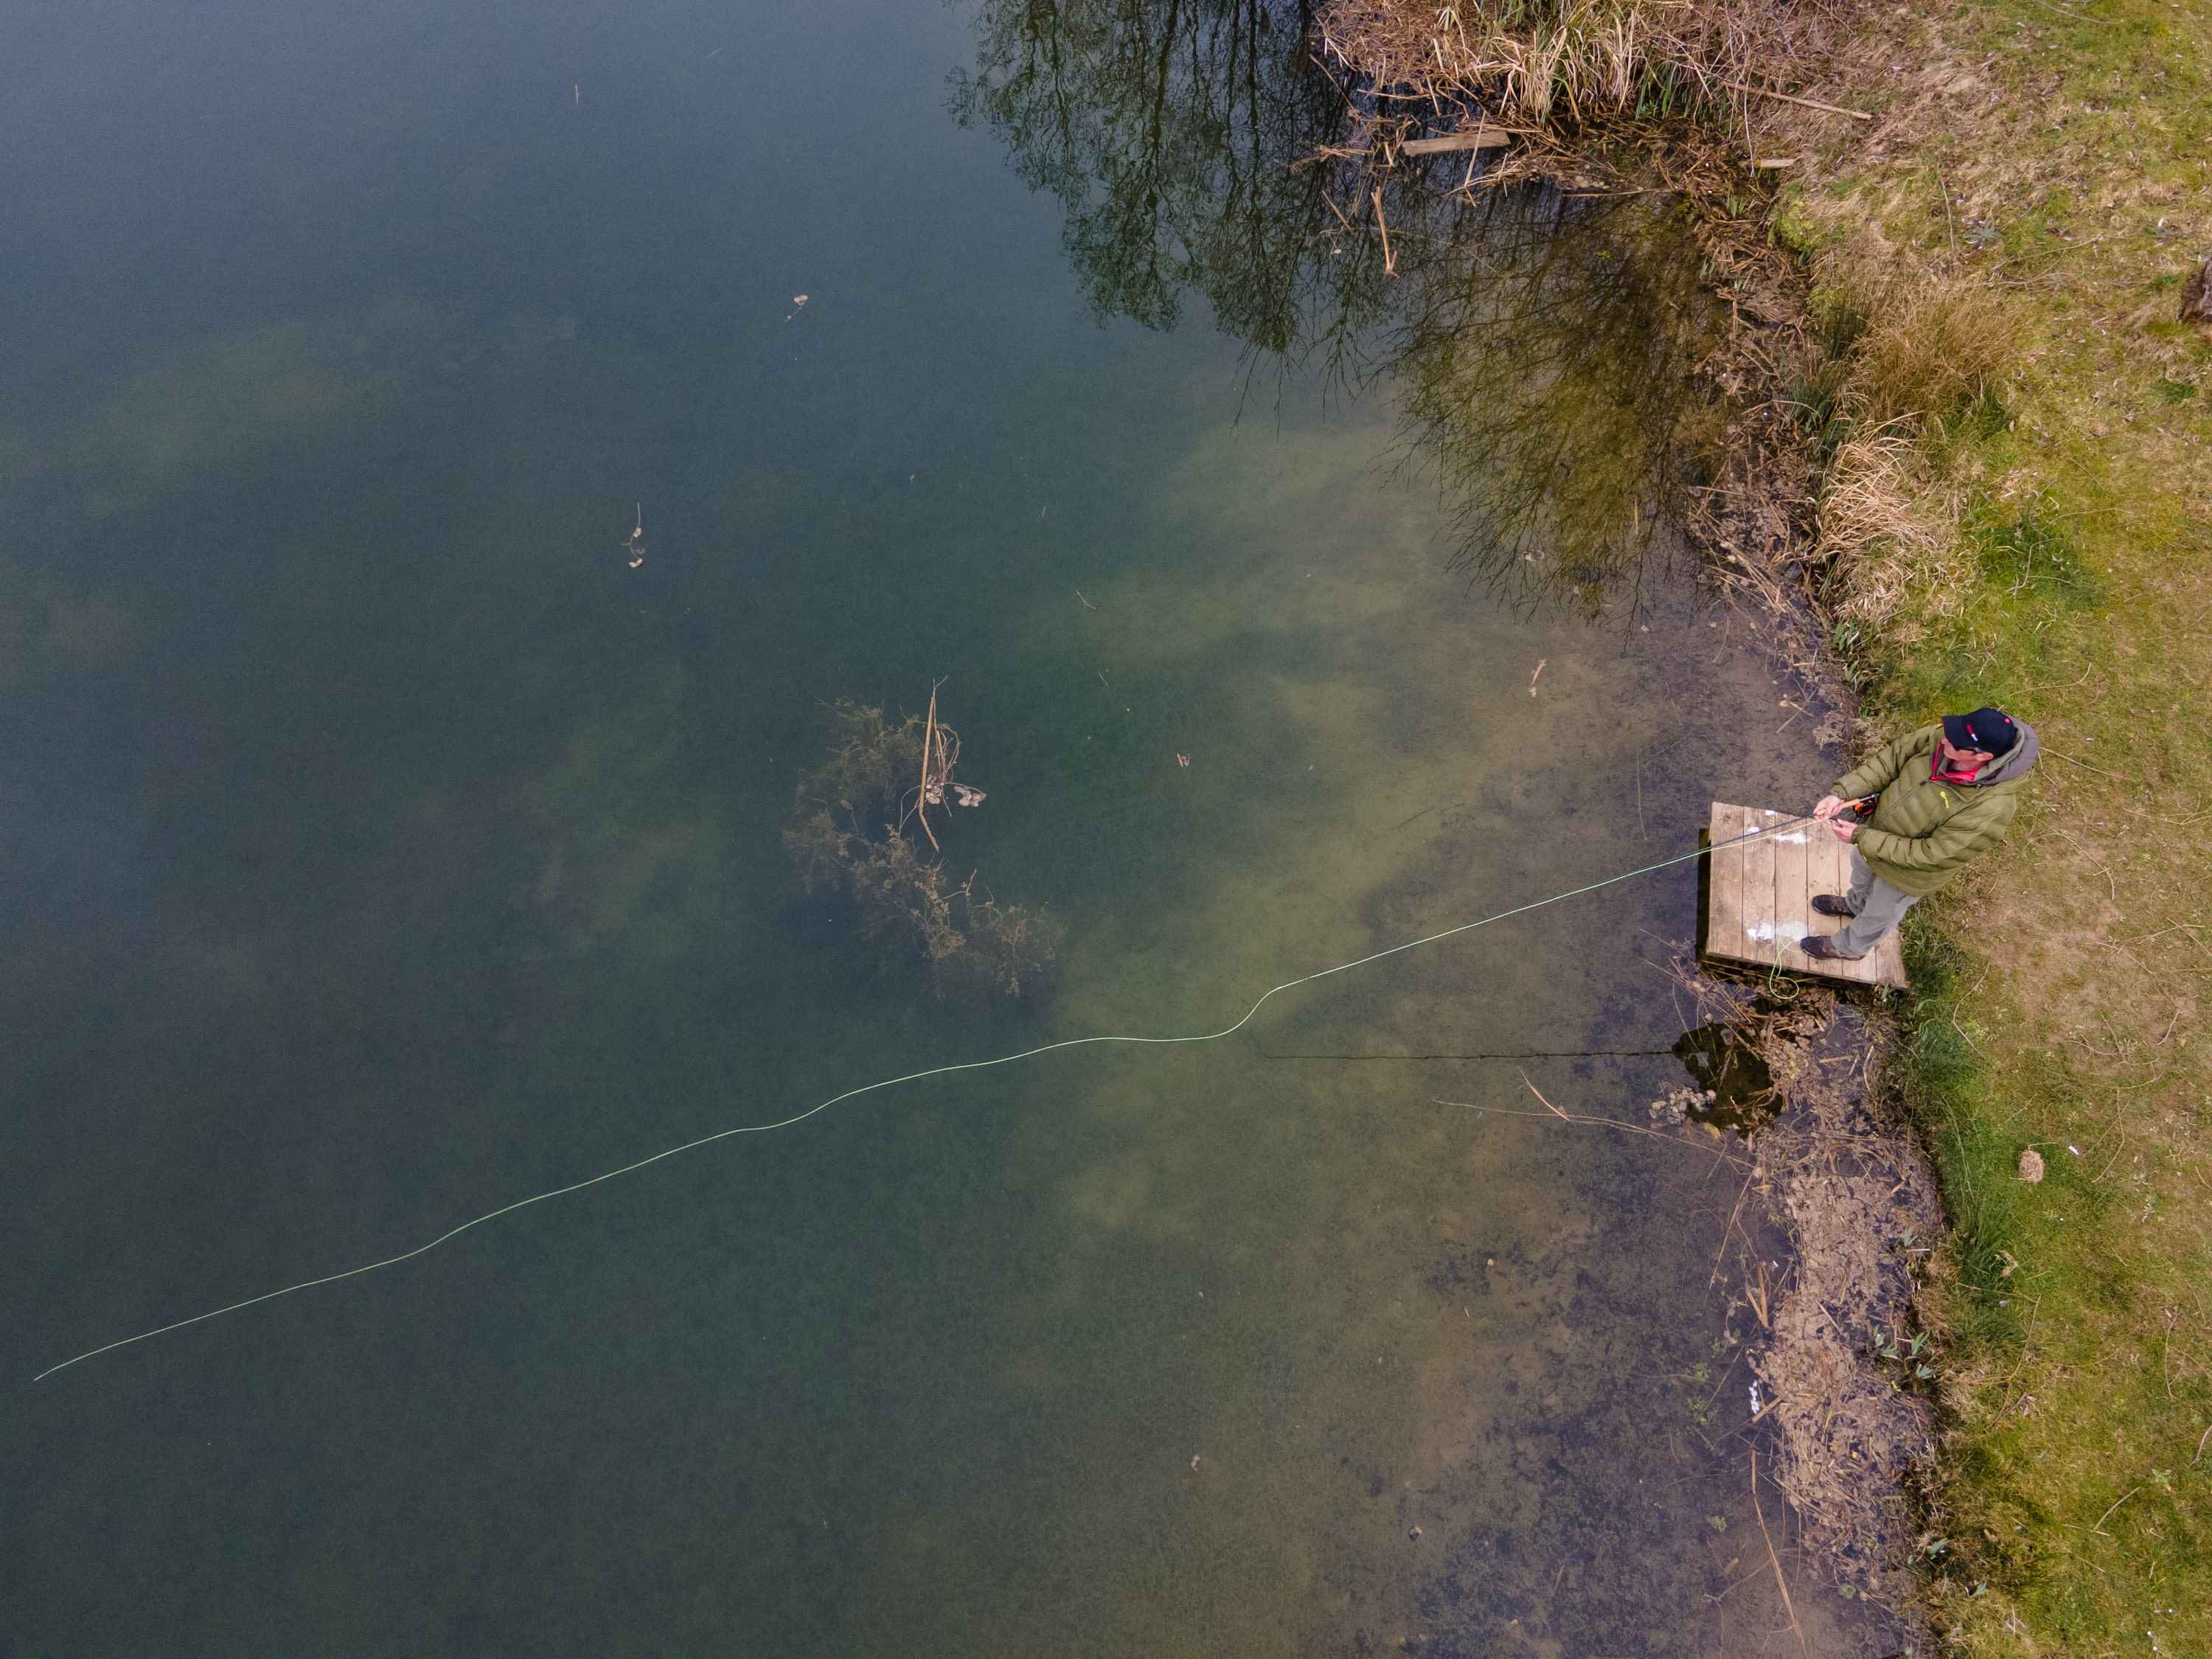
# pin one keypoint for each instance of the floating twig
(928, 735)
(1474, 138)
(1539, 1093)
(1553, 1113)
(1782, 1583)
(1809, 103)
(1728, 1232)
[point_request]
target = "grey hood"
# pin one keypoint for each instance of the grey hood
(2014, 763)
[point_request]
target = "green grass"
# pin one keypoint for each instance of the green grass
(2059, 993)
(2030, 550)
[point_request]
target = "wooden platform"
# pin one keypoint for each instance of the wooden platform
(1762, 898)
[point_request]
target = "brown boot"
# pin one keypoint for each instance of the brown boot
(1818, 948)
(1832, 904)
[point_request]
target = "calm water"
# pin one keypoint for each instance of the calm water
(381, 847)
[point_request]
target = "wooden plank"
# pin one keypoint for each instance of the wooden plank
(1760, 906)
(1885, 964)
(1828, 871)
(1474, 138)
(1793, 911)
(1759, 891)
(1724, 914)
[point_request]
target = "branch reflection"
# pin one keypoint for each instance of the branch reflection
(1544, 345)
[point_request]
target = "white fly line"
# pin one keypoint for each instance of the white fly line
(451, 1233)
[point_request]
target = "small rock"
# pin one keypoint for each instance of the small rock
(2031, 1166)
(1414, 1533)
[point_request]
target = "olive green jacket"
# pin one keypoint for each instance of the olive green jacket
(1924, 833)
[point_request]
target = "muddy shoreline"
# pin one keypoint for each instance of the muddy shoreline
(1847, 1427)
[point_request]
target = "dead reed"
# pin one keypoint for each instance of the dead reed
(1890, 536)
(1932, 343)
(1566, 64)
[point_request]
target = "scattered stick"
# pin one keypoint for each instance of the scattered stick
(1087, 605)
(1727, 1233)
(1539, 1093)
(1538, 675)
(928, 737)
(1475, 138)
(1809, 103)
(1782, 1583)
(1760, 1299)
(2107, 1515)
(1554, 1113)
(1389, 262)
(2084, 765)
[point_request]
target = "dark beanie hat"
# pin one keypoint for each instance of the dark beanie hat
(1985, 729)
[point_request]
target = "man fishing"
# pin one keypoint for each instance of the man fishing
(1916, 813)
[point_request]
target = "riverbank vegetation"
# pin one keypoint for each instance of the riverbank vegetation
(2009, 429)
(2032, 201)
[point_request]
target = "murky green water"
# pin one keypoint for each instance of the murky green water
(382, 847)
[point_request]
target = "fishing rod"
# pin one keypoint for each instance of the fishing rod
(1744, 840)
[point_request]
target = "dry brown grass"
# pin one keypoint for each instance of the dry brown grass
(1917, 348)
(1566, 63)
(1890, 540)
(1934, 343)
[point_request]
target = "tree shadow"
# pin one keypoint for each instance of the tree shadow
(1542, 344)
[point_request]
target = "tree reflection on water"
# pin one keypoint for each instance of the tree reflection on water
(1544, 343)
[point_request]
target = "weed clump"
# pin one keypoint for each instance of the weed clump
(851, 833)
(1898, 568)
(1931, 348)
(1566, 63)
(1907, 379)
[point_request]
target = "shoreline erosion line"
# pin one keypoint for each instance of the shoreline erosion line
(913, 1077)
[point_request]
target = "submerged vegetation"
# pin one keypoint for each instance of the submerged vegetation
(853, 832)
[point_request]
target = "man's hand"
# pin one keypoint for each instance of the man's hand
(1827, 807)
(1847, 828)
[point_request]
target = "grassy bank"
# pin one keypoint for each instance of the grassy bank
(2047, 545)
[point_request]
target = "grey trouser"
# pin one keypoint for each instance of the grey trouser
(1875, 907)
